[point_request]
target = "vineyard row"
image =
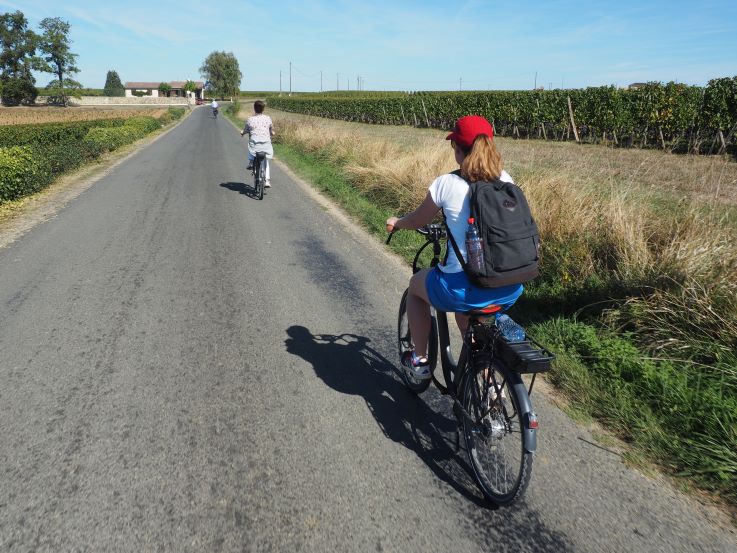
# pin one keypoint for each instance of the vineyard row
(671, 116)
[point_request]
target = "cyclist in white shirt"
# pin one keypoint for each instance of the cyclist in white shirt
(260, 131)
(214, 107)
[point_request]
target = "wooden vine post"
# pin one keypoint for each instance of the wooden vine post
(573, 121)
(425, 110)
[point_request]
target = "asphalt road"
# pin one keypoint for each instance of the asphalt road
(175, 375)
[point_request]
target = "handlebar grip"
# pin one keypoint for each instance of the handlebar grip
(389, 238)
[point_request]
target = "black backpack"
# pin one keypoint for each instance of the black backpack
(510, 235)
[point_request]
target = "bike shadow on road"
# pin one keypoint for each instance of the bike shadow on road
(241, 188)
(348, 364)
(425, 425)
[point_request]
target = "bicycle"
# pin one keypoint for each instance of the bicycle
(491, 402)
(215, 113)
(259, 174)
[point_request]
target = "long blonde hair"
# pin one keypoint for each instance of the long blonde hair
(483, 162)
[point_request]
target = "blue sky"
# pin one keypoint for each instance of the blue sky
(402, 44)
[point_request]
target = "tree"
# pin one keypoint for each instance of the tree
(17, 60)
(59, 60)
(113, 86)
(222, 73)
(165, 89)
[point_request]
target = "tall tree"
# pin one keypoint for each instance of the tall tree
(222, 73)
(17, 59)
(164, 89)
(54, 45)
(113, 86)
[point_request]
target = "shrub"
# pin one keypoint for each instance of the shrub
(143, 124)
(109, 139)
(45, 134)
(176, 113)
(22, 172)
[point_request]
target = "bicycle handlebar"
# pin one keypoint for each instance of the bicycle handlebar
(427, 230)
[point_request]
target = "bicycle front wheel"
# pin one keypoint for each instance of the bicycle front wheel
(494, 433)
(404, 343)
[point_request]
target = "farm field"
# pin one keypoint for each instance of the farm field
(42, 114)
(708, 179)
(639, 265)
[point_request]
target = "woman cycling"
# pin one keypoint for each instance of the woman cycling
(447, 287)
(260, 131)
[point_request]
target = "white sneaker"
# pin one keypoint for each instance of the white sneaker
(268, 184)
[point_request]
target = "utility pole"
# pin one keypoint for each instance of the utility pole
(337, 81)
(348, 81)
(535, 87)
(320, 81)
(358, 83)
(460, 83)
(290, 78)
(280, 82)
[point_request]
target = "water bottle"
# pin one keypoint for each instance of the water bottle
(474, 248)
(511, 331)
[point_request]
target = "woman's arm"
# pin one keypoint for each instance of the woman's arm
(418, 218)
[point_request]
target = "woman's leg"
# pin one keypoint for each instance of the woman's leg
(268, 170)
(462, 322)
(418, 312)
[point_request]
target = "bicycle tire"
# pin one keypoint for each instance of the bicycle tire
(258, 186)
(495, 440)
(404, 343)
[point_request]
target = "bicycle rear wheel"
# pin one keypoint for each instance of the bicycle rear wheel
(494, 433)
(258, 184)
(404, 343)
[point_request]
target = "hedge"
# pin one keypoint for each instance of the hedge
(51, 133)
(107, 139)
(22, 172)
(32, 155)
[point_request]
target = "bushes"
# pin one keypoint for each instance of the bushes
(22, 172)
(104, 139)
(46, 134)
(32, 155)
(172, 114)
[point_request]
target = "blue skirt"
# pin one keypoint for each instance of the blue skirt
(454, 293)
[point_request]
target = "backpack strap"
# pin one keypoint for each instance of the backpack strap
(452, 241)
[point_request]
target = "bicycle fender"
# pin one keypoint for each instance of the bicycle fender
(527, 415)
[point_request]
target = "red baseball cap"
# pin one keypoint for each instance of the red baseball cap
(468, 128)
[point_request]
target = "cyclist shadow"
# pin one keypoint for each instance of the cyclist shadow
(348, 364)
(240, 187)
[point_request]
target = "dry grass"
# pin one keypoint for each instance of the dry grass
(702, 178)
(28, 115)
(654, 225)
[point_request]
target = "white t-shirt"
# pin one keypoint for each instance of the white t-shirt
(452, 194)
(259, 127)
(214, 104)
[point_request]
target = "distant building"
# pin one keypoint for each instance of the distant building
(152, 89)
(637, 85)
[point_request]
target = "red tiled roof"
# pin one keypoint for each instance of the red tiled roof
(180, 84)
(155, 86)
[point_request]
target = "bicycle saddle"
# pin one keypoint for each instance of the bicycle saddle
(484, 311)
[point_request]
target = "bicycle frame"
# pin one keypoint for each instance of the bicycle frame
(453, 380)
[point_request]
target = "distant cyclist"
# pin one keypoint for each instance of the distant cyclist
(260, 131)
(214, 107)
